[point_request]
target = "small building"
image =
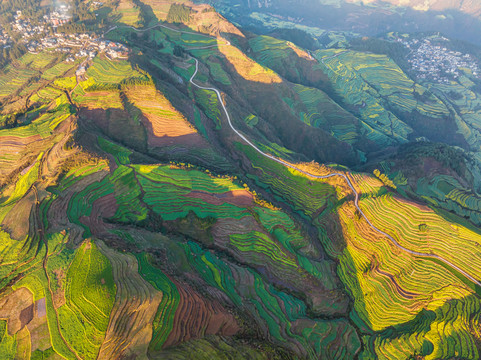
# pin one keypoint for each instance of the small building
(80, 70)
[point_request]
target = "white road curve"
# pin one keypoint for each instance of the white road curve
(356, 200)
(280, 161)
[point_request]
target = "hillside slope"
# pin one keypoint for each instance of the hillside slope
(185, 202)
(471, 7)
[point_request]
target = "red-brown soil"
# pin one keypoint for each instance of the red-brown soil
(196, 317)
(17, 308)
(241, 198)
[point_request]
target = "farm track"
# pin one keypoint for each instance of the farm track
(282, 162)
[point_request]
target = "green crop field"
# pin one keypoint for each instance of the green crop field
(81, 203)
(112, 71)
(461, 99)
(304, 195)
(129, 16)
(195, 40)
(58, 70)
(12, 79)
(38, 61)
(217, 73)
(210, 104)
(104, 99)
(317, 109)
(171, 203)
(446, 192)
(276, 311)
(41, 126)
(127, 195)
(273, 52)
(89, 294)
(372, 82)
(120, 153)
(164, 318)
(8, 346)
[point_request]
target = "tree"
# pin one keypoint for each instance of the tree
(179, 51)
(179, 13)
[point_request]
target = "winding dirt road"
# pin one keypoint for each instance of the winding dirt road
(280, 161)
(356, 201)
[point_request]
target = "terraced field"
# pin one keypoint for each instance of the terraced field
(105, 71)
(38, 61)
(12, 79)
(438, 237)
(58, 70)
(209, 103)
(218, 73)
(391, 287)
(380, 125)
(165, 122)
(174, 193)
(17, 77)
(353, 262)
(30, 140)
(247, 68)
(280, 314)
(318, 110)
(275, 52)
(127, 13)
(106, 99)
(89, 297)
(137, 220)
(304, 195)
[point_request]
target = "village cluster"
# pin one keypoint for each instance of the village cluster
(76, 45)
(434, 61)
(79, 45)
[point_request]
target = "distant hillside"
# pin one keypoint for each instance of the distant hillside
(458, 19)
(472, 7)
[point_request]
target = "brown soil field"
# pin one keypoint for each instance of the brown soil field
(196, 317)
(241, 198)
(164, 123)
(18, 309)
(136, 302)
